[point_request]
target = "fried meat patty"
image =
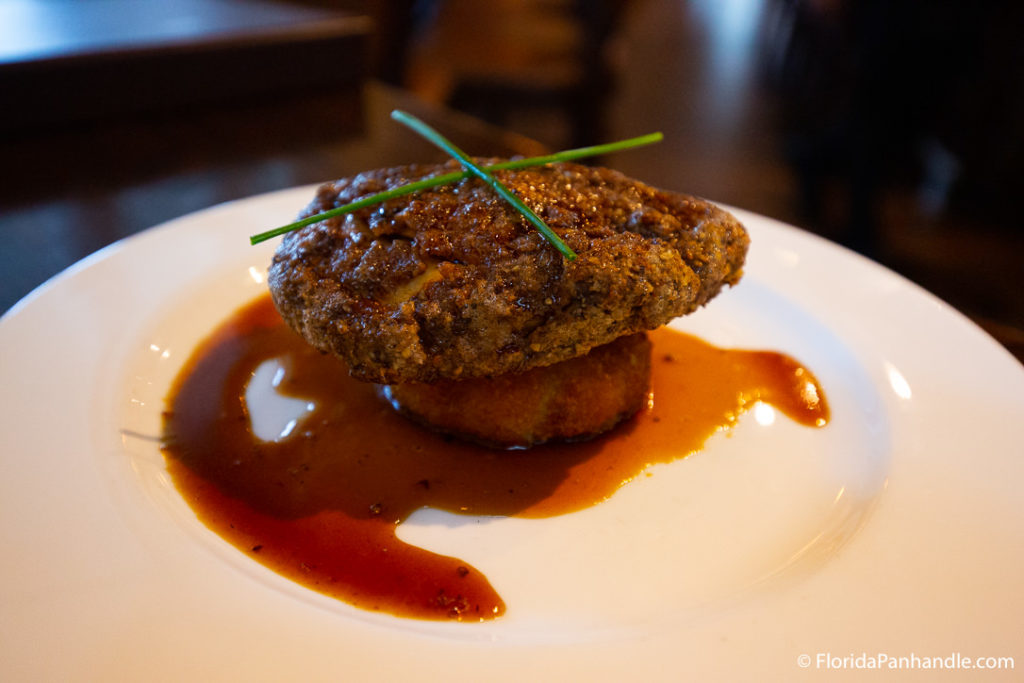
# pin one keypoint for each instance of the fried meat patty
(453, 283)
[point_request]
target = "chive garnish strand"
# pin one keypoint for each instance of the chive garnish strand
(496, 185)
(434, 181)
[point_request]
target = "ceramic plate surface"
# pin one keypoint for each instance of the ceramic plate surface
(776, 552)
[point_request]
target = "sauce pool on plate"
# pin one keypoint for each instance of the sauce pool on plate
(321, 506)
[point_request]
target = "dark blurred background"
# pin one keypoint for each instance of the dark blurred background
(895, 127)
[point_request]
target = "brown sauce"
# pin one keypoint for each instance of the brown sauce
(321, 507)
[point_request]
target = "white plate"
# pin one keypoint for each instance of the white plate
(896, 531)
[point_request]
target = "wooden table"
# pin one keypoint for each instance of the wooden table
(66, 61)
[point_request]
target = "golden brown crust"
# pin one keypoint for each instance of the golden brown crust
(453, 283)
(576, 399)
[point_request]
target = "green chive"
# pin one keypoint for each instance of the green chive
(434, 181)
(467, 163)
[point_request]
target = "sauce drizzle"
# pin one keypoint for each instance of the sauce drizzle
(321, 507)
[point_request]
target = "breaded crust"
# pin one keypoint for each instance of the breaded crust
(569, 401)
(453, 283)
